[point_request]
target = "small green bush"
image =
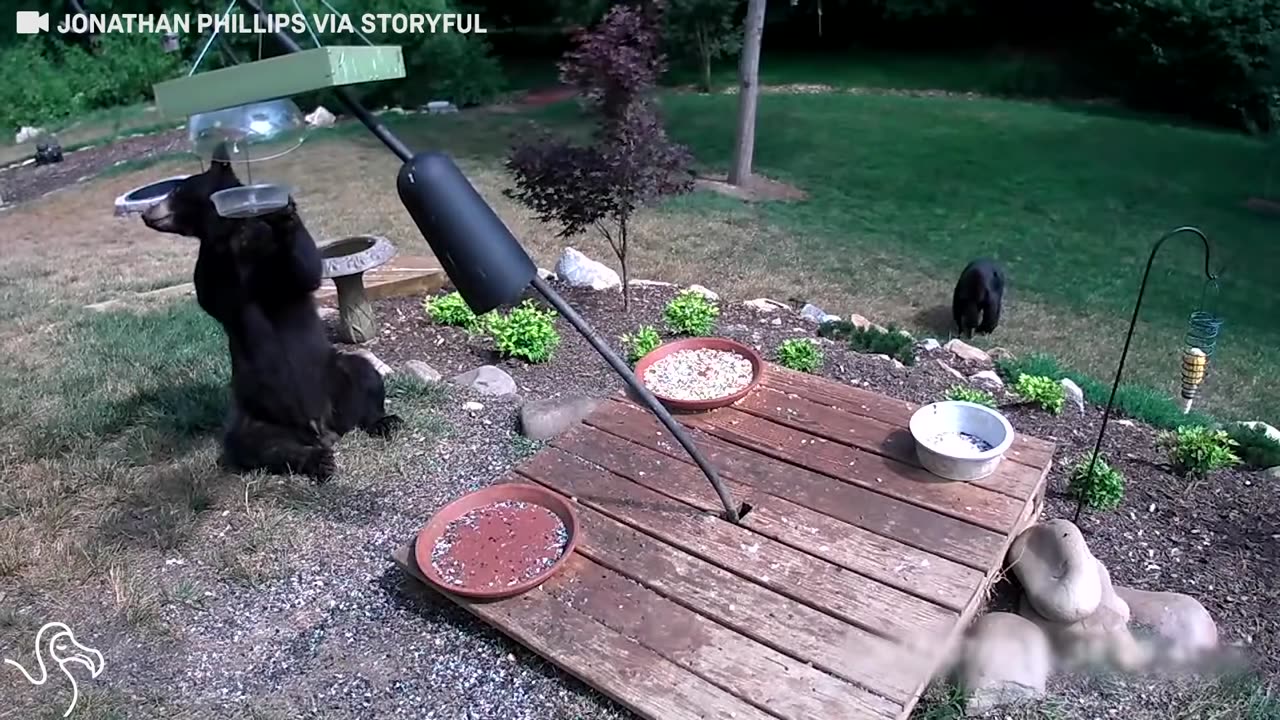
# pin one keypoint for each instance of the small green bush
(1198, 450)
(1254, 446)
(872, 340)
(690, 313)
(1042, 391)
(1103, 489)
(526, 333)
(641, 343)
(452, 310)
(964, 393)
(800, 354)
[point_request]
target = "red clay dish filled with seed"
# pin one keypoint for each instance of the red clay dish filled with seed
(497, 542)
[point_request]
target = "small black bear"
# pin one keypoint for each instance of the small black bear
(293, 392)
(978, 298)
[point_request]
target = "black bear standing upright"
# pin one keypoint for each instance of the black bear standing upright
(977, 301)
(293, 393)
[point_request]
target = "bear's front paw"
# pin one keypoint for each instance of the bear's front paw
(322, 465)
(386, 426)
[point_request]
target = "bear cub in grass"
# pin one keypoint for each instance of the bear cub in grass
(978, 297)
(293, 393)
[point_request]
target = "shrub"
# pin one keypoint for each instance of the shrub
(644, 341)
(526, 333)
(452, 310)
(1140, 403)
(800, 354)
(704, 30)
(872, 340)
(691, 313)
(1197, 450)
(1255, 448)
(630, 162)
(1103, 489)
(1042, 391)
(964, 393)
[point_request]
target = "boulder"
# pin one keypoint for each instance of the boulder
(860, 321)
(1006, 660)
(988, 379)
(422, 371)
(1057, 571)
(1102, 638)
(545, 419)
(814, 313)
(320, 117)
(1184, 629)
(965, 351)
(486, 380)
(929, 345)
(578, 270)
(1074, 394)
(950, 370)
(704, 292)
(766, 305)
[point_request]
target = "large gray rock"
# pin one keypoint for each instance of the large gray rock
(929, 345)
(1056, 569)
(1073, 392)
(766, 305)
(704, 292)
(578, 270)
(545, 419)
(988, 379)
(1006, 660)
(422, 371)
(1184, 629)
(1100, 639)
(814, 313)
(486, 380)
(965, 351)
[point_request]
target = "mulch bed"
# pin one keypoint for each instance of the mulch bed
(27, 182)
(1216, 539)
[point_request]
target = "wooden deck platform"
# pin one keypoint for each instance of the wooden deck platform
(402, 275)
(846, 584)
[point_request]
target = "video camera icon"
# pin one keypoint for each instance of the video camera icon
(31, 22)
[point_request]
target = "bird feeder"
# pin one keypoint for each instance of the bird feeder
(345, 262)
(248, 134)
(1197, 347)
(170, 42)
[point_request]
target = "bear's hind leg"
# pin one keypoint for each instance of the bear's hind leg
(251, 444)
(360, 398)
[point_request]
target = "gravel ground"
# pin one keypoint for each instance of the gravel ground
(339, 632)
(20, 183)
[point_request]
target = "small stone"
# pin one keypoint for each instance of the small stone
(326, 313)
(860, 322)
(545, 419)
(965, 351)
(1126, 422)
(27, 133)
(1183, 625)
(1273, 472)
(950, 370)
(486, 380)
(472, 406)
(766, 305)
(650, 283)
(579, 271)
(422, 371)
(320, 117)
(1056, 569)
(1073, 392)
(382, 368)
(704, 292)
(546, 274)
(987, 378)
(776, 321)
(813, 313)
(929, 345)
(1006, 660)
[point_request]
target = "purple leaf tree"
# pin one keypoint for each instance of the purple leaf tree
(630, 162)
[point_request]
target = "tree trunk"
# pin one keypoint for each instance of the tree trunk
(704, 53)
(622, 261)
(748, 92)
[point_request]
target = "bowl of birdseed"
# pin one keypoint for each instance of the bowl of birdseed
(497, 542)
(700, 373)
(959, 440)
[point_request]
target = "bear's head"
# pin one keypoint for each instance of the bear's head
(188, 210)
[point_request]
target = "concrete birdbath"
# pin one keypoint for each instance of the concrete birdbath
(345, 262)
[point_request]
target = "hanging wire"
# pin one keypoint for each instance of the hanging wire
(209, 43)
(334, 10)
(310, 30)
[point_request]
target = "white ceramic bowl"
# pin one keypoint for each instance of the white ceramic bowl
(980, 421)
(250, 200)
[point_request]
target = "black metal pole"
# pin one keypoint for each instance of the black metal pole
(1124, 354)
(732, 514)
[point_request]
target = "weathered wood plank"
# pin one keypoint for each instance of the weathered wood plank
(758, 674)
(757, 612)
(828, 587)
(855, 504)
(1025, 449)
(636, 677)
(1012, 479)
(888, 561)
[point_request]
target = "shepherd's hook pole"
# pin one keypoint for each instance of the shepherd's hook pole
(1124, 354)
(402, 151)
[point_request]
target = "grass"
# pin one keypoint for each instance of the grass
(91, 129)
